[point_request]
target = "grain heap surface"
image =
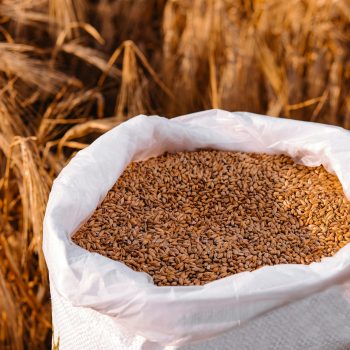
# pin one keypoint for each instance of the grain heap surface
(193, 217)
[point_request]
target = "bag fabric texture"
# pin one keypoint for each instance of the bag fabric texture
(99, 303)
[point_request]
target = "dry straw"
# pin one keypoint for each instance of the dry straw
(65, 65)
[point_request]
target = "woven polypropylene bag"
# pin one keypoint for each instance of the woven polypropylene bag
(99, 303)
(319, 322)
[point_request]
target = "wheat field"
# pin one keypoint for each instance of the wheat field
(72, 69)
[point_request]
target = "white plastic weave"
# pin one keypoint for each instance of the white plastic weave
(99, 303)
(320, 322)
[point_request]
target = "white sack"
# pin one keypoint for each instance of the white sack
(318, 322)
(183, 315)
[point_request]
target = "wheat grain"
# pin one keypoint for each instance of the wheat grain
(193, 217)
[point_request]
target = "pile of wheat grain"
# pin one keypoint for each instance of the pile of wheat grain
(193, 217)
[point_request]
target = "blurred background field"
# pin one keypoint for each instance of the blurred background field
(72, 69)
